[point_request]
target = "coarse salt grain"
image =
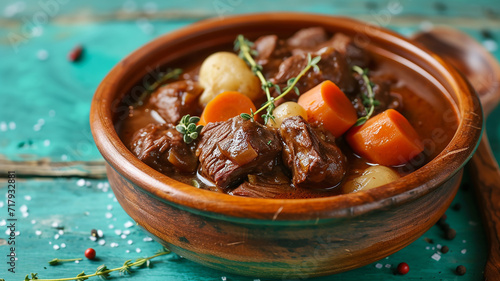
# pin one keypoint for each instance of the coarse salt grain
(77, 261)
(56, 236)
(109, 207)
(110, 226)
(17, 233)
(63, 245)
(427, 248)
(490, 45)
(109, 215)
(1, 204)
(436, 256)
(388, 265)
(100, 233)
(118, 232)
(3, 222)
(147, 239)
(52, 113)
(80, 182)
(3, 126)
(463, 251)
(55, 224)
(127, 251)
(56, 247)
(379, 265)
(130, 242)
(23, 208)
(113, 245)
(46, 142)
(438, 246)
(126, 232)
(137, 250)
(42, 54)
(101, 242)
(464, 241)
(33, 221)
(93, 238)
(123, 236)
(128, 224)
(223, 278)
(27, 198)
(12, 125)
(38, 232)
(25, 215)
(61, 232)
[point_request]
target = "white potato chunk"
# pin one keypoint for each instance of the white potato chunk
(285, 110)
(372, 177)
(224, 71)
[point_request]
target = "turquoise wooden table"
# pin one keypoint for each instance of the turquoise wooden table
(61, 190)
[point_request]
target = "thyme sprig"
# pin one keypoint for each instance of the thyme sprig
(57, 261)
(243, 45)
(103, 272)
(368, 98)
(187, 126)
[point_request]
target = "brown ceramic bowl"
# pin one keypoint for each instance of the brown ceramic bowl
(282, 238)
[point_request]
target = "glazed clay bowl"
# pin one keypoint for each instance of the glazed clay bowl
(281, 238)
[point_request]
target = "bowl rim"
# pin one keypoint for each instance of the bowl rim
(420, 182)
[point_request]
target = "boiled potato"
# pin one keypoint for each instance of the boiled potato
(224, 71)
(372, 177)
(285, 110)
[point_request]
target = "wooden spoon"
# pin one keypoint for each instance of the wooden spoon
(483, 72)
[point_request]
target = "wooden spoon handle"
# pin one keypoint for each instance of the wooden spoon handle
(486, 175)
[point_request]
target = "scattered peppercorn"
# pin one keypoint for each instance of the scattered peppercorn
(450, 233)
(445, 249)
(457, 207)
(460, 270)
(442, 220)
(90, 253)
(403, 268)
(94, 233)
(75, 54)
(429, 240)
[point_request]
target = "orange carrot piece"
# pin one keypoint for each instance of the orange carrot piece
(225, 106)
(328, 105)
(387, 139)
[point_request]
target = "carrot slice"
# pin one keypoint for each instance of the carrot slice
(387, 139)
(328, 105)
(225, 106)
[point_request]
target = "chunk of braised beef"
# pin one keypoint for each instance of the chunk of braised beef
(307, 38)
(311, 154)
(228, 151)
(174, 100)
(382, 93)
(267, 185)
(270, 52)
(161, 146)
(333, 66)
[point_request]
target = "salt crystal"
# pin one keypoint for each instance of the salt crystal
(33, 221)
(87, 183)
(464, 241)
(77, 261)
(426, 25)
(38, 232)
(63, 245)
(3, 222)
(438, 246)
(56, 236)
(115, 200)
(64, 157)
(17, 233)
(27, 198)
(123, 236)
(109, 195)
(126, 232)
(379, 265)
(463, 251)
(3, 126)
(12, 125)
(61, 232)
(128, 224)
(433, 248)
(86, 213)
(100, 185)
(14, 8)
(436, 256)
(93, 238)
(56, 247)
(23, 208)
(490, 45)
(101, 242)
(42, 54)
(223, 278)
(41, 121)
(118, 232)
(52, 113)
(80, 182)
(256, 280)
(111, 226)
(55, 224)
(46, 142)
(1, 204)
(147, 239)
(37, 128)
(109, 215)
(109, 207)
(388, 265)
(50, 242)
(25, 215)
(37, 31)
(137, 250)
(127, 251)
(427, 248)
(130, 242)
(114, 245)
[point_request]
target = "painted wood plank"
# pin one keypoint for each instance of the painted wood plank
(77, 205)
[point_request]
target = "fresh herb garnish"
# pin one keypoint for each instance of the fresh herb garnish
(188, 128)
(57, 261)
(368, 98)
(243, 45)
(164, 77)
(103, 272)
